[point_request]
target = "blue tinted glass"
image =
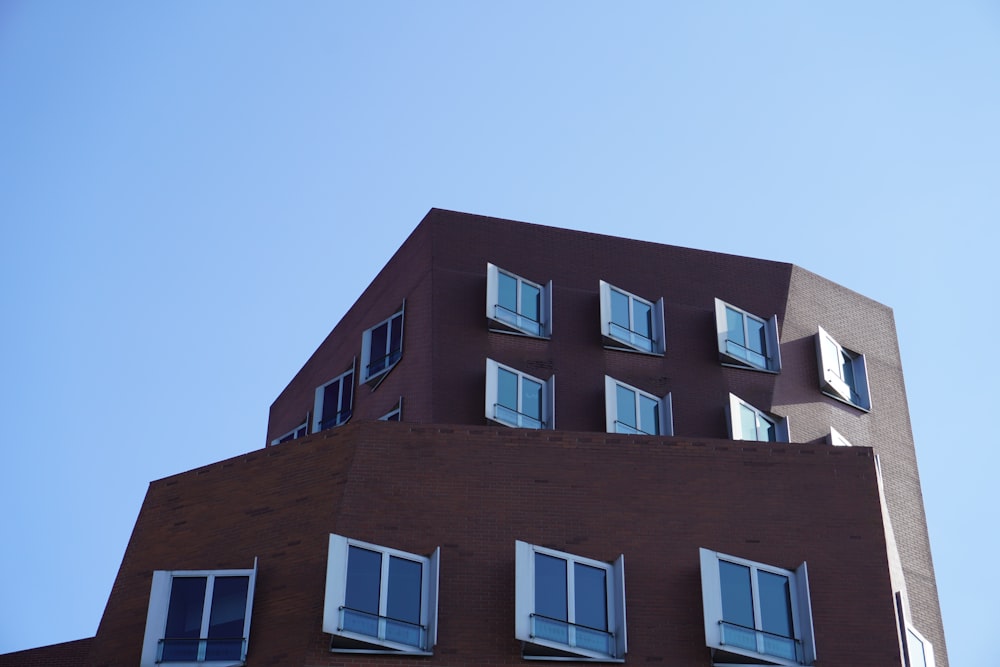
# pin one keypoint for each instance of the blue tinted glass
(531, 399)
(404, 590)
(346, 397)
(184, 615)
(649, 415)
(507, 389)
(626, 406)
(619, 309)
(756, 335)
(331, 405)
(642, 322)
(364, 580)
(226, 620)
(847, 365)
(591, 596)
(379, 348)
(550, 587)
(737, 600)
(734, 322)
(530, 301)
(395, 338)
(507, 292)
(775, 603)
(767, 431)
(748, 423)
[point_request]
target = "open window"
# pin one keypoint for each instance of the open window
(843, 374)
(919, 651)
(755, 612)
(300, 431)
(198, 617)
(629, 322)
(334, 401)
(631, 410)
(517, 399)
(837, 438)
(748, 423)
(394, 415)
(380, 600)
(569, 606)
(382, 348)
(517, 305)
(745, 340)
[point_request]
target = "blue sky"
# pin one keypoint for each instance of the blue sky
(192, 194)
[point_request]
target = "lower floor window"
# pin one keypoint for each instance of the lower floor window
(518, 399)
(198, 616)
(631, 410)
(569, 606)
(748, 423)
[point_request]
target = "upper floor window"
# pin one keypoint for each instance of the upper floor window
(518, 305)
(382, 347)
(198, 617)
(334, 401)
(630, 322)
(746, 340)
(631, 410)
(518, 399)
(300, 431)
(843, 373)
(569, 606)
(756, 611)
(748, 423)
(380, 599)
(919, 651)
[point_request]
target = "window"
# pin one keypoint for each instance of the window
(518, 305)
(631, 410)
(919, 651)
(837, 438)
(569, 606)
(394, 415)
(630, 321)
(746, 340)
(198, 617)
(299, 431)
(843, 374)
(748, 423)
(381, 348)
(756, 611)
(334, 402)
(380, 599)
(517, 399)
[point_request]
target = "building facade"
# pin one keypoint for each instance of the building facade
(605, 450)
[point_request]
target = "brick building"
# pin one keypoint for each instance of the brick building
(527, 443)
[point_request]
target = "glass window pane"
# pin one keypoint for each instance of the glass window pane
(619, 309)
(642, 321)
(346, 397)
(734, 322)
(915, 647)
(775, 603)
(379, 341)
(591, 591)
(184, 616)
(507, 389)
(507, 292)
(756, 335)
(649, 415)
(395, 338)
(403, 603)
(530, 301)
(226, 620)
(737, 599)
(748, 423)
(766, 430)
(531, 399)
(364, 579)
(550, 587)
(626, 406)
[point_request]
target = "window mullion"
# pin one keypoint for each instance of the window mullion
(206, 616)
(383, 593)
(758, 618)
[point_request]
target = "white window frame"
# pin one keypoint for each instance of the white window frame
(772, 354)
(346, 641)
(837, 439)
(320, 397)
(538, 648)
(913, 641)
(715, 628)
(159, 604)
(294, 434)
(664, 408)
(366, 348)
(514, 322)
(734, 418)
(548, 420)
(830, 356)
(632, 341)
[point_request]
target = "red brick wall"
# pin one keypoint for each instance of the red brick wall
(66, 654)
